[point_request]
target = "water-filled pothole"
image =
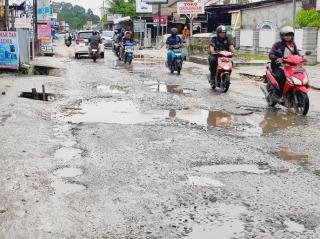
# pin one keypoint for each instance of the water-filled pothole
(111, 89)
(115, 112)
(204, 181)
(49, 71)
(299, 159)
(68, 172)
(61, 187)
(231, 168)
(66, 153)
(173, 89)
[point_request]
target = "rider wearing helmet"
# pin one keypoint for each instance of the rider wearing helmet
(281, 49)
(127, 37)
(218, 43)
(95, 39)
(173, 41)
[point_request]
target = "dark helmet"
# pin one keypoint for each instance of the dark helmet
(286, 31)
(95, 32)
(221, 29)
(174, 31)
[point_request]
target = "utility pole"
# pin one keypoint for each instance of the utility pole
(35, 27)
(159, 17)
(294, 14)
(7, 13)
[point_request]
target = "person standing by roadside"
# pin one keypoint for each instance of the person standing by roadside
(185, 32)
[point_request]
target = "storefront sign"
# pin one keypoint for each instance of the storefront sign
(190, 7)
(23, 22)
(9, 50)
(43, 11)
(44, 30)
(163, 20)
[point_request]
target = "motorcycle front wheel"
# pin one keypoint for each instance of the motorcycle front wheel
(225, 83)
(301, 103)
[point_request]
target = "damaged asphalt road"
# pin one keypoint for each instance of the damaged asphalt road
(135, 152)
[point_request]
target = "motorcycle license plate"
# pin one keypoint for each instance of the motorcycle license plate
(94, 50)
(298, 70)
(177, 50)
(129, 49)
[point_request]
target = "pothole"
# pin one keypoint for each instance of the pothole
(115, 112)
(204, 181)
(299, 159)
(4, 118)
(111, 89)
(203, 117)
(292, 226)
(61, 187)
(49, 71)
(66, 153)
(35, 95)
(231, 168)
(68, 172)
(226, 224)
(173, 89)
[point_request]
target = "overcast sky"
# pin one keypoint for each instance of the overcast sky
(95, 5)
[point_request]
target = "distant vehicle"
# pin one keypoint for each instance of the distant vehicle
(107, 37)
(82, 44)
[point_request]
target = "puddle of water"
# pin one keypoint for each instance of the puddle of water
(68, 172)
(231, 168)
(62, 187)
(274, 121)
(204, 181)
(66, 153)
(173, 89)
(203, 117)
(115, 112)
(294, 226)
(111, 89)
(228, 225)
(301, 160)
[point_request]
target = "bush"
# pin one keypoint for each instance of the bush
(308, 18)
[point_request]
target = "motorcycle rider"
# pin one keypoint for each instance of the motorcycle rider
(67, 37)
(95, 40)
(285, 47)
(218, 43)
(127, 37)
(173, 41)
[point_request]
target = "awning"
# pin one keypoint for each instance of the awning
(122, 19)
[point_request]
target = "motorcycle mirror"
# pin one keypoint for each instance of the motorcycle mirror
(308, 53)
(238, 48)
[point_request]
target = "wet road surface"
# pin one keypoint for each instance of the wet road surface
(135, 152)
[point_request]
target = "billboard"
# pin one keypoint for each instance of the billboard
(190, 7)
(23, 22)
(44, 30)
(43, 10)
(143, 7)
(9, 50)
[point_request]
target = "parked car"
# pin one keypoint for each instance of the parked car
(107, 37)
(82, 44)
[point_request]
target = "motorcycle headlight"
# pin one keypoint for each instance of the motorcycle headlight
(305, 80)
(296, 81)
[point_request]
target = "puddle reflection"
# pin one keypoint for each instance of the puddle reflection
(301, 159)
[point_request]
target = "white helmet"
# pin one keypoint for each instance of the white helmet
(286, 30)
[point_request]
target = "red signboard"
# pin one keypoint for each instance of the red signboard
(163, 20)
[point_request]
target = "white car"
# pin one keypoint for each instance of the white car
(107, 37)
(82, 44)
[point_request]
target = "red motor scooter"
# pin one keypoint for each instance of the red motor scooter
(295, 90)
(224, 69)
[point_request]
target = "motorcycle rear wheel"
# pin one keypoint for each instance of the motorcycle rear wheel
(271, 102)
(301, 103)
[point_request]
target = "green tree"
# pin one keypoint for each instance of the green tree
(308, 18)
(126, 8)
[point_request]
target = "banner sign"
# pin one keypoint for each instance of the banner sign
(44, 30)
(142, 7)
(9, 50)
(43, 10)
(139, 25)
(163, 20)
(190, 7)
(23, 22)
